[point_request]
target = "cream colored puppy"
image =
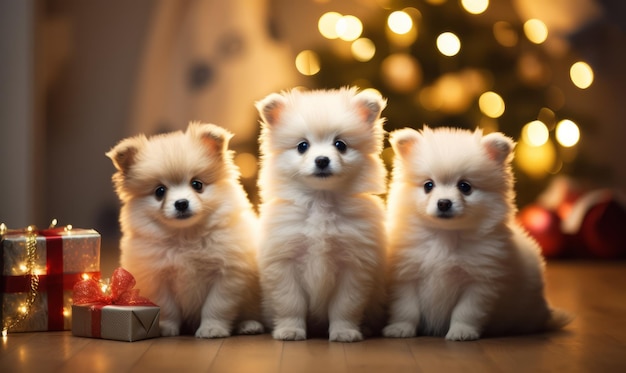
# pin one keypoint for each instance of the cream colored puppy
(460, 265)
(322, 248)
(188, 230)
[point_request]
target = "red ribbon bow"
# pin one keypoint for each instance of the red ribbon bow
(122, 292)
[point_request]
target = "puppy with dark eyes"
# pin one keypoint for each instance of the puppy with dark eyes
(322, 248)
(460, 266)
(189, 231)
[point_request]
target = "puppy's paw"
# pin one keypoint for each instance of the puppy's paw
(250, 327)
(400, 330)
(289, 334)
(169, 328)
(462, 332)
(212, 331)
(345, 335)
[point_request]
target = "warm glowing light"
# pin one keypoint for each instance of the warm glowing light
(400, 22)
(475, 6)
(567, 133)
(535, 161)
(505, 34)
(448, 44)
(4, 333)
(581, 75)
(536, 31)
(491, 104)
(23, 309)
(66, 312)
(363, 49)
(68, 227)
(307, 62)
(84, 276)
(327, 25)
(247, 164)
(104, 288)
(535, 133)
(23, 267)
(349, 28)
(402, 72)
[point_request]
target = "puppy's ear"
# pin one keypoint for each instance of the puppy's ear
(498, 147)
(271, 108)
(124, 154)
(403, 141)
(213, 137)
(369, 105)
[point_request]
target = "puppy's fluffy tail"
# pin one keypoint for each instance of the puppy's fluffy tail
(558, 319)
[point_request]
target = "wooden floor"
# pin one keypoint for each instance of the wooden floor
(594, 342)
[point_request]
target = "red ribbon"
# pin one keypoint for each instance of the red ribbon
(54, 282)
(122, 292)
(89, 292)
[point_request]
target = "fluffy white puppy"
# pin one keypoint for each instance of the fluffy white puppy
(322, 251)
(188, 230)
(460, 265)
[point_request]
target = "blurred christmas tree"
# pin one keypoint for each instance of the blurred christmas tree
(438, 63)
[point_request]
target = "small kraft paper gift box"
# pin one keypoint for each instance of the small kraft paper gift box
(114, 311)
(39, 270)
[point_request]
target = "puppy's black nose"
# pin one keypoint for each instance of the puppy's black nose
(322, 162)
(444, 204)
(181, 205)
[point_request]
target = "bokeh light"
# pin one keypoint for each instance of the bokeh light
(505, 34)
(400, 22)
(567, 133)
(536, 31)
(307, 62)
(535, 161)
(401, 72)
(327, 25)
(581, 75)
(535, 133)
(448, 44)
(491, 104)
(363, 49)
(349, 28)
(475, 6)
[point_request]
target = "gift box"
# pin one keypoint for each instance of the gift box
(113, 311)
(122, 323)
(39, 270)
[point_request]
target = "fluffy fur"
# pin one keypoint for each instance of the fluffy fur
(322, 247)
(460, 265)
(188, 230)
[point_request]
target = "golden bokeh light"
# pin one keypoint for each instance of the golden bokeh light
(448, 44)
(491, 104)
(536, 161)
(536, 31)
(247, 164)
(307, 62)
(349, 28)
(363, 49)
(400, 22)
(581, 75)
(401, 72)
(475, 6)
(327, 25)
(505, 34)
(535, 133)
(567, 133)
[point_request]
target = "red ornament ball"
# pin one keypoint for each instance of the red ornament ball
(545, 227)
